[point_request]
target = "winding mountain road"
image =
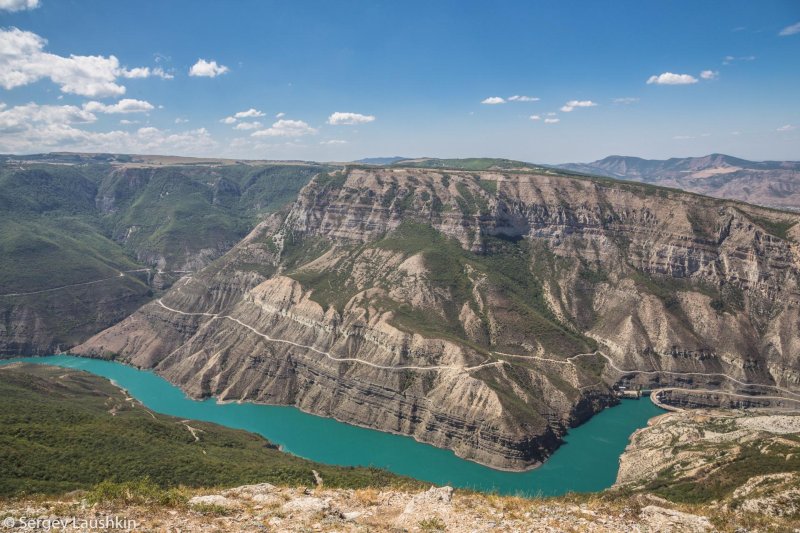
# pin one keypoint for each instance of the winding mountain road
(567, 361)
(215, 316)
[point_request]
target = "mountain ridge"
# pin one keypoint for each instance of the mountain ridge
(769, 183)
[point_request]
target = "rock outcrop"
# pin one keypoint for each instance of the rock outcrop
(484, 312)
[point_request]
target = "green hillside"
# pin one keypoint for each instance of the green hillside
(65, 430)
(77, 236)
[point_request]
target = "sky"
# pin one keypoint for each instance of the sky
(545, 82)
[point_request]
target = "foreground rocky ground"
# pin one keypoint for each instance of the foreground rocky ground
(264, 507)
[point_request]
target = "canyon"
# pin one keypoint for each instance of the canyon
(483, 311)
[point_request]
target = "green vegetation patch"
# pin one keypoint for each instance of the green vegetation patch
(65, 430)
(778, 228)
(720, 482)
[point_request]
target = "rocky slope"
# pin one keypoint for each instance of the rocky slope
(769, 183)
(481, 311)
(742, 460)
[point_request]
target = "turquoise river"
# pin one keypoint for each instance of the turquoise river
(587, 462)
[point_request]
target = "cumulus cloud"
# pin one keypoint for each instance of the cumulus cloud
(786, 127)
(126, 122)
(518, 98)
(247, 126)
(493, 100)
(20, 118)
(126, 105)
(709, 74)
(280, 115)
(535, 117)
(333, 141)
(181, 120)
(138, 72)
(250, 113)
(552, 120)
(207, 69)
(24, 61)
(349, 119)
(36, 128)
(286, 128)
(669, 78)
(146, 72)
(18, 5)
(572, 104)
(626, 100)
(790, 30)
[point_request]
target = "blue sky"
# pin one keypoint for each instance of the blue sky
(406, 78)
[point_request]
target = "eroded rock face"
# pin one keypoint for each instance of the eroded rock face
(465, 309)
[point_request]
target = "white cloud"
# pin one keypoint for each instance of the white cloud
(551, 114)
(126, 105)
(518, 98)
(161, 73)
(247, 126)
(286, 128)
(250, 113)
(18, 5)
(668, 78)
(280, 115)
(682, 137)
(626, 100)
(790, 30)
(786, 127)
(709, 74)
(348, 119)
(20, 118)
(207, 69)
(333, 141)
(535, 117)
(24, 61)
(126, 122)
(181, 120)
(552, 120)
(146, 72)
(572, 104)
(493, 100)
(36, 128)
(138, 72)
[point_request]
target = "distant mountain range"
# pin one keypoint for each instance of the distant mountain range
(768, 183)
(380, 160)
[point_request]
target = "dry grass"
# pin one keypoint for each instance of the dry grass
(367, 497)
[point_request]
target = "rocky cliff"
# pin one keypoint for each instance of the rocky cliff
(485, 312)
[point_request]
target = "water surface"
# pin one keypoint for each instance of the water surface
(587, 462)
